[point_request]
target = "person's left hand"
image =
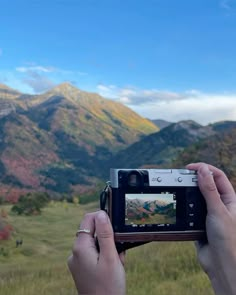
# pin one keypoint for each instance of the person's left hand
(96, 272)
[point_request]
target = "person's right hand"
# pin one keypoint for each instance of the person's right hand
(218, 255)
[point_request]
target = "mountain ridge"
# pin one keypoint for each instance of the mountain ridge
(160, 149)
(65, 140)
(58, 140)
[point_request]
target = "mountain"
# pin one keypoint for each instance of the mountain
(161, 148)
(139, 211)
(58, 140)
(161, 123)
(7, 92)
(182, 143)
(65, 140)
(7, 96)
(223, 126)
(218, 150)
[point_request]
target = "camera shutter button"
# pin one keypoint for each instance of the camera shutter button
(180, 179)
(159, 179)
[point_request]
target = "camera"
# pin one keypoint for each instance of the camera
(154, 205)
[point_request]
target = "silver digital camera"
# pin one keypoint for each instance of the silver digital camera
(155, 205)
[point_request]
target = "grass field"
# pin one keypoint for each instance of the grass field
(39, 267)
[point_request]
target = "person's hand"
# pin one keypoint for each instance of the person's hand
(218, 255)
(100, 273)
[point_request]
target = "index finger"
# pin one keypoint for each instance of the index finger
(222, 182)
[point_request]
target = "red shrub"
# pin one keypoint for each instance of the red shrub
(5, 232)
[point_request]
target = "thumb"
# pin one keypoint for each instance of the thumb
(105, 235)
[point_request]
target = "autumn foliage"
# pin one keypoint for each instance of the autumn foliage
(5, 228)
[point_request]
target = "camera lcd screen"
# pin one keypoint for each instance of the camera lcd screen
(142, 209)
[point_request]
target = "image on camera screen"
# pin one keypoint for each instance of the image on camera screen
(144, 209)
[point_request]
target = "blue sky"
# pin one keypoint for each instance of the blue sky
(163, 58)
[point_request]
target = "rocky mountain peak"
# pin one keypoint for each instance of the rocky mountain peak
(192, 128)
(66, 89)
(186, 124)
(6, 108)
(4, 87)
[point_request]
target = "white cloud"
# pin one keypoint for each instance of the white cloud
(108, 91)
(204, 109)
(173, 106)
(47, 70)
(136, 96)
(35, 69)
(41, 78)
(38, 82)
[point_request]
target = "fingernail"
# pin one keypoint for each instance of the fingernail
(189, 164)
(102, 217)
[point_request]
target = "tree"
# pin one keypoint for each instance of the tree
(31, 203)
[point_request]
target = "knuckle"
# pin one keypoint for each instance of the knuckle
(105, 234)
(77, 251)
(211, 187)
(201, 165)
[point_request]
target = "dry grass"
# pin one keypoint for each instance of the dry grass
(39, 266)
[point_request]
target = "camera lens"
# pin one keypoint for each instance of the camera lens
(135, 179)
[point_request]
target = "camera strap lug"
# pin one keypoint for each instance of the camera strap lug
(104, 197)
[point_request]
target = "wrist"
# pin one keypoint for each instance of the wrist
(222, 289)
(223, 282)
(222, 273)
